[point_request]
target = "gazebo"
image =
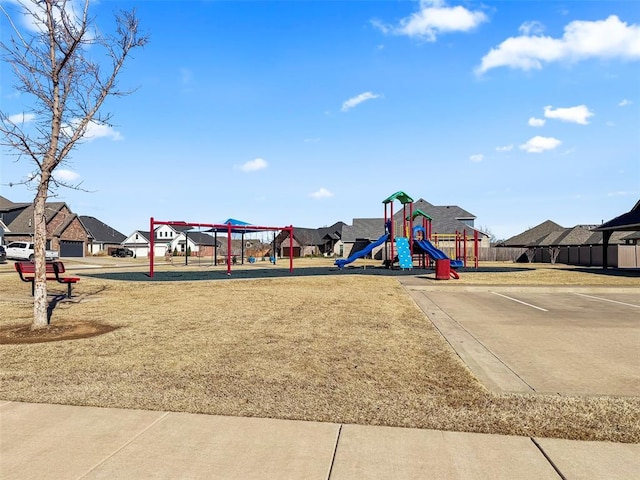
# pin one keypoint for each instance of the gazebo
(627, 222)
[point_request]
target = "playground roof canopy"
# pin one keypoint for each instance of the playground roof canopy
(237, 227)
(401, 196)
(419, 213)
(626, 222)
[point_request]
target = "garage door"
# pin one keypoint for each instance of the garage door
(285, 251)
(69, 248)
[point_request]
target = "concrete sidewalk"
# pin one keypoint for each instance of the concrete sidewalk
(41, 441)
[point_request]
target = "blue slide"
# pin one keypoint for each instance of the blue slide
(341, 262)
(437, 254)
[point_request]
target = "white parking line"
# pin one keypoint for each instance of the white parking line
(520, 301)
(607, 300)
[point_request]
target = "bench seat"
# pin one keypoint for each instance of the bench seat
(27, 271)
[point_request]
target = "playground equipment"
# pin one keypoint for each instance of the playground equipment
(402, 243)
(406, 242)
(341, 262)
(229, 228)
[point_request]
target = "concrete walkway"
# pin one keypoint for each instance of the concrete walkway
(41, 441)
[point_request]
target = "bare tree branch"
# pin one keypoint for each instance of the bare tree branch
(51, 64)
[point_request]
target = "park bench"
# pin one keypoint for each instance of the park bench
(27, 272)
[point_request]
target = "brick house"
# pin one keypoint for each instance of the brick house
(65, 231)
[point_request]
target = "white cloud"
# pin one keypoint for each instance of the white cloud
(579, 114)
(625, 103)
(536, 122)
(254, 165)
(610, 38)
(322, 193)
(358, 99)
(478, 157)
(20, 118)
(540, 144)
(505, 148)
(66, 176)
(531, 28)
(621, 193)
(100, 130)
(434, 18)
(35, 20)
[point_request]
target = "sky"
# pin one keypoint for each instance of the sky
(306, 113)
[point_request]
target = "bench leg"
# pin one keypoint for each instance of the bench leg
(33, 287)
(68, 290)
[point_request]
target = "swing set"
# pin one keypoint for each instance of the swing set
(229, 228)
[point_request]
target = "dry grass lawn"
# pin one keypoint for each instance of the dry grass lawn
(333, 348)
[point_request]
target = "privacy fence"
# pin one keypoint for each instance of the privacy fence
(620, 256)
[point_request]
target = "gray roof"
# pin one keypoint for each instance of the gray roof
(100, 231)
(22, 223)
(446, 219)
(6, 204)
(445, 211)
(597, 238)
(568, 236)
(314, 236)
(533, 235)
(363, 229)
(200, 238)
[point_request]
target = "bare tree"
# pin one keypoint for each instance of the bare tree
(553, 254)
(55, 62)
(531, 253)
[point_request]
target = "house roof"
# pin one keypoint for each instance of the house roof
(533, 235)
(314, 236)
(23, 222)
(6, 204)
(100, 231)
(200, 238)
(363, 229)
(565, 237)
(597, 238)
(626, 221)
(442, 211)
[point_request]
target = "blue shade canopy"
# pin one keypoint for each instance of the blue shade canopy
(236, 227)
(233, 221)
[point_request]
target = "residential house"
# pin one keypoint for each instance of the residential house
(102, 237)
(172, 239)
(582, 245)
(139, 243)
(3, 229)
(326, 241)
(65, 231)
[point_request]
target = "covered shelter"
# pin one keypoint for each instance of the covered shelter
(230, 227)
(627, 222)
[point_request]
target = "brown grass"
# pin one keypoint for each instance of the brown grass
(335, 348)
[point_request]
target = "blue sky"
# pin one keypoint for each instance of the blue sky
(311, 112)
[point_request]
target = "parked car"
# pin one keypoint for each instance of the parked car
(122, 252)
(25, 251)
(3, 254)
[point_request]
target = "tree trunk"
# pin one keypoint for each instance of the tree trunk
(40, 305)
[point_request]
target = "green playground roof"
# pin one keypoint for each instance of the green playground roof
(419, 213)
(401, 196)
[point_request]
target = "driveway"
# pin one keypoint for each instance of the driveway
(571, 341)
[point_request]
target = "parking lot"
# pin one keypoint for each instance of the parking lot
(569, 341)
